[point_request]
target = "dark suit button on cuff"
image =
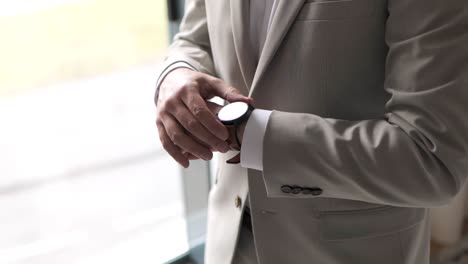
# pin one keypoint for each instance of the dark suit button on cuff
(317, 191)
(296, 190)
(312, 191)
(286, 189)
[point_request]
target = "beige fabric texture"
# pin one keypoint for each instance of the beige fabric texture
(370, 103)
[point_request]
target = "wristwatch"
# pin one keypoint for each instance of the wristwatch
(235, 113)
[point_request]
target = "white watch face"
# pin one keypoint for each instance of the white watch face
(233, 111)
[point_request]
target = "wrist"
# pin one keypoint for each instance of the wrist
(235, 116)
(172, 80)
(240, 130)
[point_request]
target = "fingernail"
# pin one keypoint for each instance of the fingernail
(224, 148)
(221, 150)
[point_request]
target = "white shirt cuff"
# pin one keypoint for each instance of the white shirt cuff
(252, 141)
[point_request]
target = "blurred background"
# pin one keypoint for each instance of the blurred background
(83, 178)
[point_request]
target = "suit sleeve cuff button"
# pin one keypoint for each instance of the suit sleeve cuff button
(296, 190)
(286, 189)
(313, 191)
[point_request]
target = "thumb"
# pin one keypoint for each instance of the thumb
(230, 93)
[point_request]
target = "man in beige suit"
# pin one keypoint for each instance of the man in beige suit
(360, 124)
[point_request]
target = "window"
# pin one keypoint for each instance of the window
(83, 178)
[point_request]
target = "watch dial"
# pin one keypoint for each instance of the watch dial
(233, 111)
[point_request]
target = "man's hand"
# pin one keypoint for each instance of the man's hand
(187, 125)
(233, 144)
(232, 135)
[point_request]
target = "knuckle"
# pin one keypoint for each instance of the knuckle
(189, 85)
(192, 124)
(198, 111)
(160, 115)
(159, 123)
(214, 80)
(192, 99)
(194, 87)
(231, 90)
(177, 137)
(168, 104)
(180, 92)
(165, 144)
(227, 92)
(198, 77)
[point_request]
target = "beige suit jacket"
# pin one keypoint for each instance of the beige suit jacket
(370, 101)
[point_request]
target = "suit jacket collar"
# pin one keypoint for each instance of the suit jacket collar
(281, 21)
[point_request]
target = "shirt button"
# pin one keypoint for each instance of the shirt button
(296, 190)
(238, 202)
(286, 189)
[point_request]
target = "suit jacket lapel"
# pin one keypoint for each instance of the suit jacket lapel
(240, 28)
(282, 20)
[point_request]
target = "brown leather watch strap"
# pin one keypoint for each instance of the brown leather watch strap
(234, 160)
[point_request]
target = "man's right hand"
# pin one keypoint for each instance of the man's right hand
(186, 121)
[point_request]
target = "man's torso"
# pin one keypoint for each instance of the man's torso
(325, 58)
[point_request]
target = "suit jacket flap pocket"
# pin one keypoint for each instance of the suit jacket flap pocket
(352, 224)
(336, 9)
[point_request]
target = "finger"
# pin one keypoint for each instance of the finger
(194, 127)
(227, 92)
(174, 151)
(190, 156)
(176, 133)
(234, 160)
(199, 109)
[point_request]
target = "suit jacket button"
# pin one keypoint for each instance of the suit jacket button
(286, 189)
(296, 190)
(314, 191)
(238, 202)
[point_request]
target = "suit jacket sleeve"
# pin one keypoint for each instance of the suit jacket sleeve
(415, 155)
(191, 46)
